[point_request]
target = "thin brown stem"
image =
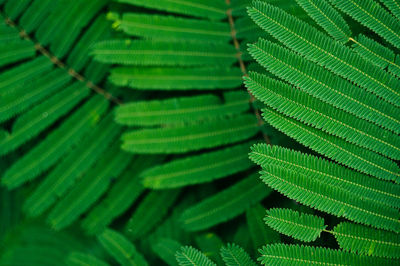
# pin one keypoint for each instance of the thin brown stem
(57, 62)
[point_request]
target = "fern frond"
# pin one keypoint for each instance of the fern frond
(56, 144)
(63, 25)
(217, 208)
(186, 138)
(166, 249)
(324, 51)
(16, 78)
(91, 186)
(367, 241)
(98, 30)
(189, 256)
(7, 34)
(260, 234)
(163, 53)
(210, 244)
(376, 53)
(173, 28)
(35, 14)
(78, 161)
(334, 147)
(297, 104)
(281, 254)
(120, 248)
(315, 194)
(233, 255)
(328, 18)
(34, 121)
(21, 99)
(15, 51)
(198, 169)
(150, 211)
(14, 8)
(324, 85)
(301, 226)
(176, 78)
(211, 9)
(373, 16)
(120, 197)
(182, 109)
(393, 6)
(327, 172)
(82, 259)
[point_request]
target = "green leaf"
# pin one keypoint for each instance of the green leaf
(82, 259)
(198, 169)
(200, 8)
(367, 241)
(337, 149)
(372, 15)
(224, 205)
(311, 111)
(189, 256)
(281, 254)
(233, 255)
(173, 28)
(301, 226)
(194, 78)
(324, 51)
(330, 199)
(181, 139)
(182, 109)
(150, 211)
(359, 185)
(163, 53)
(120, 248)
(166, 248)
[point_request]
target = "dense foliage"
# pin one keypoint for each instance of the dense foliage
(127, 136)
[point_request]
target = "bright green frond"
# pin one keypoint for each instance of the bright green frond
(372, 15)
(173, 28)
(376, 53)
(181, 139)
(217, 209)
(150, 211)
(328, 18)
(37, 11)
(393, 6)
(121, 249)
(163, 53)
(233, 255)
(89, 188)
(359, 185)
(281, 255)
(301, 226)
(14, 8)
(367, 241)
(324, 51)
(82, 259)
(335, 148)
(312, 111)
(198, 169)
(189, 256)
(330, 199)
(324, 85)
(200, 8)
(177, 78)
